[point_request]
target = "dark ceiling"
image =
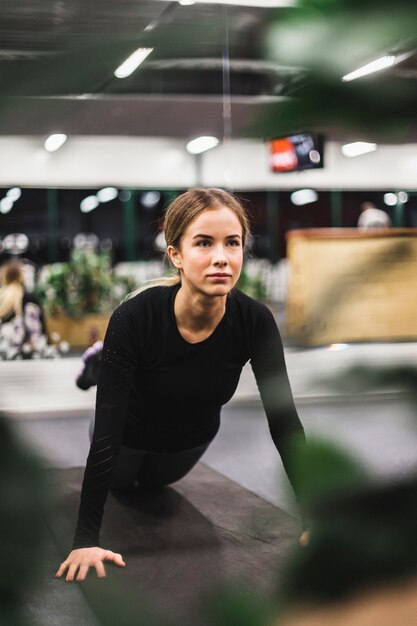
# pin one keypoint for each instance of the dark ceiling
(57, 60)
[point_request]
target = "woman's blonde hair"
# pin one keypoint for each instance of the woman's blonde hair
(12, 290)
(182, 211)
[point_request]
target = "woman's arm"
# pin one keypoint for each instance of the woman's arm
(269, 368)
(119, 360)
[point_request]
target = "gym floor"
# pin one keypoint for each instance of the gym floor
(379, 427)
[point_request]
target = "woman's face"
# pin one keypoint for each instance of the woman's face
(210, 255)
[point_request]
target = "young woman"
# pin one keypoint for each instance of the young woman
(172, 356)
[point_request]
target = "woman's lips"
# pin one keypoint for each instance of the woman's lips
(219, 275)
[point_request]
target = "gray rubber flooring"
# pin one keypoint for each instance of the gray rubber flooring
(178, 544)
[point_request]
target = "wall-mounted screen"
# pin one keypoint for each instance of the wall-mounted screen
(296, 152)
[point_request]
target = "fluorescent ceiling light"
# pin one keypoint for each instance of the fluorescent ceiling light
(55, 141)
(16, 243)
(201, 144)
(125, 195)
(14, 193)
(89, 204)
(149, 199)
(375, 66)
(131, 63)
(357, 148)
(106, 194)
(86, 241)
(390, 199)
(6, 205)
(268, 4)
(304, 196)
(186, 2)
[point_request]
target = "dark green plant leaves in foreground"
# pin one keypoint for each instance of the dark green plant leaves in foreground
(328, 39)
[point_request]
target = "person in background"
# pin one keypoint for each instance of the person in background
(22, 322)
(371, 217)
(88, 375)
(172, 357)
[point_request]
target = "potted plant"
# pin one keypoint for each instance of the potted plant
(79, 296)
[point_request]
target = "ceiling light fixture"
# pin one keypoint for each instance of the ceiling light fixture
(86, 241)
(107, 193)
(6, 205)
(14, 193)
(55, 141)
(357, 148)
(201, 144)
(132, 62)
(89, 204)
(16, 243)
(378, 65)
(149, 199)
(125, 195)
(265, 4)
(390, 199)
(304, 196)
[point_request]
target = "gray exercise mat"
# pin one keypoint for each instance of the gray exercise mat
(177, 543)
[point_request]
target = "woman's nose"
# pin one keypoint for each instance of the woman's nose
(219, 255)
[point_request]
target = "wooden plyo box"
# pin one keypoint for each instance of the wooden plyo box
(349, 285)
(79, 333)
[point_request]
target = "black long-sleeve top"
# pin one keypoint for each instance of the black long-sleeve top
(157, 392)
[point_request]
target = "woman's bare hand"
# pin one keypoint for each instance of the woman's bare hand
(79, 562)
(304, 539)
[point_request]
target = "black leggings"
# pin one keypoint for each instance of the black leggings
(153, 469)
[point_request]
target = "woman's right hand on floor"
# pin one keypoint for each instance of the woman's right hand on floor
(79, 562)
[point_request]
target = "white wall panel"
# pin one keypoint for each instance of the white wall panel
(164, 163)
(95, 162)
(245, 164)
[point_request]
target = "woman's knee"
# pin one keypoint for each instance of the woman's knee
(154, 475)
(153, 483)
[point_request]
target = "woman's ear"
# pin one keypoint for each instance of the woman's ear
(174, 256)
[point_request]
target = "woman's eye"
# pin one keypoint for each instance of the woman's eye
(234, 242)
(203, 243)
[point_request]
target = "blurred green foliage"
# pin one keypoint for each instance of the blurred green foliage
(253, 286)
(25, 502)
(327, 39)
(235, 604)
(86, 284)
(362, 531)
(360, 537)
(322, 469)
